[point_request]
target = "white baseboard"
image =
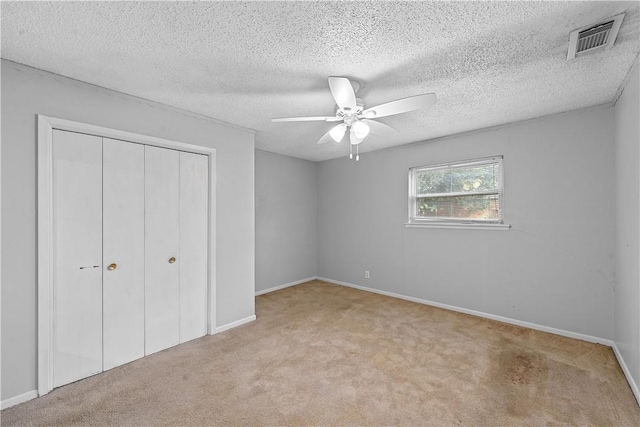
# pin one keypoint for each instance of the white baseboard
(235, 324)
(627, 373)
(16, 400)
(286, 285)
(524, 324)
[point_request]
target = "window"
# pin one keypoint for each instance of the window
(460, 193)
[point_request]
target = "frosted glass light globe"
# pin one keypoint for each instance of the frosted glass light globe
(338, 132)
(360, 129)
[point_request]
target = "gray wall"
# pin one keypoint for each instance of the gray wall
(627, 292)
(285, 220)
(27, 92)
(555, 266)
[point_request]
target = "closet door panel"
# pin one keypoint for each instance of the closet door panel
(123, 243)
(77, 272)
(194, 197)
(162, 259)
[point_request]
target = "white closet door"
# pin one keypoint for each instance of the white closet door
(77, 272)
(162, 260)
(123, 243)
(194, 197)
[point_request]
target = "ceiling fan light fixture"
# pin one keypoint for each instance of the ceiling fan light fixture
(360, 129)
(337, 133)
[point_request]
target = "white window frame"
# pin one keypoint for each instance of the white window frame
(457, 223)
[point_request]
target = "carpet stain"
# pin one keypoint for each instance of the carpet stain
(523, 368)
(521, 379)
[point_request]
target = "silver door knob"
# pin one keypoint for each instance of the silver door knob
(172, 260)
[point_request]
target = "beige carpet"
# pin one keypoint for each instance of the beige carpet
(321, 354)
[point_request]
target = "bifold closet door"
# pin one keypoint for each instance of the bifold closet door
(77, 270)
(194, 198)
(162, 261)
(123, 252)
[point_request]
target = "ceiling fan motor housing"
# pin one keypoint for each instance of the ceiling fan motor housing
(350, 116)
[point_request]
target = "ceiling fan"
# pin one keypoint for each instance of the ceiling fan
(352, 115)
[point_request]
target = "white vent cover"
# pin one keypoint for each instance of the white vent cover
(594, 37)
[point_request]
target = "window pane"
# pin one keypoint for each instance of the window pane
(433, 182)
(474, 178)
(458, 179)
(459, 207)
(454, 191)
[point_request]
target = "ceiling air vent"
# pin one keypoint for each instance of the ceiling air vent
(594, 37)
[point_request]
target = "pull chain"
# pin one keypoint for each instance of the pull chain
(350, 151)
(357, 153)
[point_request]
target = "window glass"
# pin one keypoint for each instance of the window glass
(467, 191)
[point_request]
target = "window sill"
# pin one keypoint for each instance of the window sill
(459, 226)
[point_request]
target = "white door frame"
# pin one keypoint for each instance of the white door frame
(46, 125)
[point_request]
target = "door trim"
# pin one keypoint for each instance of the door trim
(46, 125)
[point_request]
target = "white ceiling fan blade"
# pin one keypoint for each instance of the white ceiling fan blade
(380, 129)
(325, 138)
(306, 119)
(343, 93)
(399, 106)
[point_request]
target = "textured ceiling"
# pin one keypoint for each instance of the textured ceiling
(489, 63)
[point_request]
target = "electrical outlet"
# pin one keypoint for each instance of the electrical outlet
(366, 274)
